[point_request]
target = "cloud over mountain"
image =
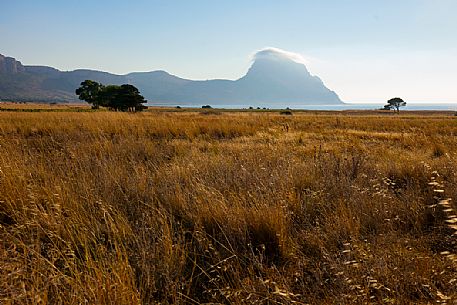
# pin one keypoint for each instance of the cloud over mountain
(276, 53)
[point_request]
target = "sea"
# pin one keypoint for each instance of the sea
(345, 106)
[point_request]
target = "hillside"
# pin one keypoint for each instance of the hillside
(271, 80)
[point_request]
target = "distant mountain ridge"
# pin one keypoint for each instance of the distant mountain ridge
(272, 79)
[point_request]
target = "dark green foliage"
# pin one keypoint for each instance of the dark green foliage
(107, 96)
(119, 98)
(129, 98)
(89, 92)
(395, 103)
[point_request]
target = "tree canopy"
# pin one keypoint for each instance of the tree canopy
(89, 92)
(395, 103)
(119, 98)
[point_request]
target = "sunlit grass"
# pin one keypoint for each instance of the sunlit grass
(181, 207)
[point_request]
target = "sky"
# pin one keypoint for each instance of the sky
(365, 50)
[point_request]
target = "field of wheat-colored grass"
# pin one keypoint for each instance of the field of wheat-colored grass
(237, 208)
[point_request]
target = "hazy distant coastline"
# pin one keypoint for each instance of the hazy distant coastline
(343, 106)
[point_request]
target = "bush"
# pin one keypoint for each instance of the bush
(286, 112)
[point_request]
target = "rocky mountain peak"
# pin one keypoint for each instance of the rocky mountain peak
(10, 65)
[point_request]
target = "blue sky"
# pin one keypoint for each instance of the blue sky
(365, 50)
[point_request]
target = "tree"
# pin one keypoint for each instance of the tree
(89, 92)
(108, 97)
(122, 98)
(395, 103)
(129, 98)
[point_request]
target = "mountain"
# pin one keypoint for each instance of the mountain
(273, 78)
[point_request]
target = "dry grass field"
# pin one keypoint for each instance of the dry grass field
(236, 208)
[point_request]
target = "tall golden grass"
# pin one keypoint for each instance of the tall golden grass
(240, 208)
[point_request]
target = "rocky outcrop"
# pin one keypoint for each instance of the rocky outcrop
(10, 65)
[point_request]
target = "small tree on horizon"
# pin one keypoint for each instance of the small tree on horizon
(395, 103)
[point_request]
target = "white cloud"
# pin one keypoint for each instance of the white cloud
(271, 52)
